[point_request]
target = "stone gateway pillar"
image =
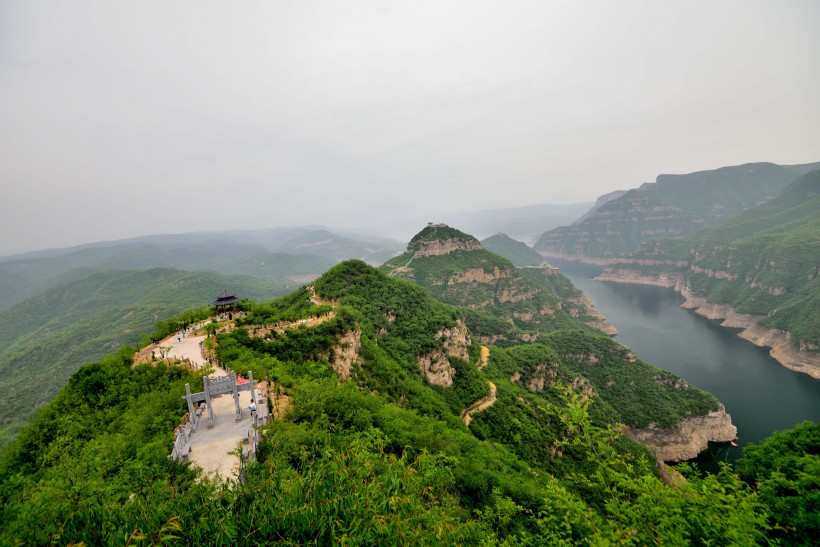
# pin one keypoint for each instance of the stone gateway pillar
(207, 381)
(235, 394)
(191, 412)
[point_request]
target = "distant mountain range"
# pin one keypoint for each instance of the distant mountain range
(759, 270)
(284, 253)
(672, 206)
(515, 251)
(523, 223)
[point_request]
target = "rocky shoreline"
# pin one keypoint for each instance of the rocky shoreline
(781, 347)
(600, 321)
(690, 438)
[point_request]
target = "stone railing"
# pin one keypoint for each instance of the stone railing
(182, 438)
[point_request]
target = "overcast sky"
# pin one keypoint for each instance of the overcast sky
(120, 119)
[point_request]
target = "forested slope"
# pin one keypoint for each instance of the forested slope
(674, 206)
(764, 263)
(45, 339)
(517, 252)
(382, 457)
(502, 304)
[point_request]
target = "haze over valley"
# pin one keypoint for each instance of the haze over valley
(410, 273)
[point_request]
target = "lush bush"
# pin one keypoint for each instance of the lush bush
(785, 468)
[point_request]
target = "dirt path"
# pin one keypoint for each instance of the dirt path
(485, 357)
(316, 300)
(482, 404)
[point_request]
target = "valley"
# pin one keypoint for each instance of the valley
(747, 380)
(498, 366)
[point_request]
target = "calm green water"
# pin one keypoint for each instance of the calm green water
(761, 395)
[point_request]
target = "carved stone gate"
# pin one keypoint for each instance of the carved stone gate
(214, 387)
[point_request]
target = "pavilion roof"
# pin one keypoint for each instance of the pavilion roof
(225, 299)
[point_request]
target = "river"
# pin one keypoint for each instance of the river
(761, 395)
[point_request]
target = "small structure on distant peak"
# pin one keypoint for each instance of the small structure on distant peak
(225, 301)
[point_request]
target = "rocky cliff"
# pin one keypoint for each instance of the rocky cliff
(673, 206)
(690, 438)
(436, 365)
(758, 271)
(799, 357)
(455, 269)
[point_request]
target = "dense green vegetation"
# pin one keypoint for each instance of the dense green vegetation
(785, 469)
(674, 206)
(278, 253)
(327, 475)
(517, 252)
(384, 457)
(45, 339)
(637, 392)
(492, 288)
(764, 261)
(440, 233)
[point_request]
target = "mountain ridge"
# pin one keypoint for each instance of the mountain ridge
(757, 271)
(672, 206)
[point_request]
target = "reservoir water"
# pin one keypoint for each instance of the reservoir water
(761, 395)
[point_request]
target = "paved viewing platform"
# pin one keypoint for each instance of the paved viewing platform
(213, 442)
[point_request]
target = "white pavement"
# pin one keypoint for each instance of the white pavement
(187, 348)
(211, 447)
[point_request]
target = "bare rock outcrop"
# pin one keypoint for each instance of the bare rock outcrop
(479, 275)
(435, 365)
(436, 247)
(346, 354)
(599, 320)
(783, 350)
(690, 438)
(799, 358)
(456, 339)
(668, 279)
(437, 368)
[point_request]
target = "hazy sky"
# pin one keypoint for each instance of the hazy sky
(123, 118)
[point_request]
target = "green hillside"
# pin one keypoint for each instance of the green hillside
(45, 339)
(672, 207)
(517, 252)
(383, 457)
(503, 305)
(764, 261)
(23, 278)
(285, 253)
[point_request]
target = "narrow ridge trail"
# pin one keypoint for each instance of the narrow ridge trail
(482, 404)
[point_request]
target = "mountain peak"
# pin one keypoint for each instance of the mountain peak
(440, 239)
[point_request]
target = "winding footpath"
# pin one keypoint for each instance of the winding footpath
(482, 404)
(485, 402)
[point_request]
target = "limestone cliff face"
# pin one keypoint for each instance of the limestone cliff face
(456, 339)
(587, 307)
(346, 353)
(624, 275)
(447, 246)
(437, 369)
(479, 275)
(435, 365)
(671, 207)
(797, 357)
(690, 438)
